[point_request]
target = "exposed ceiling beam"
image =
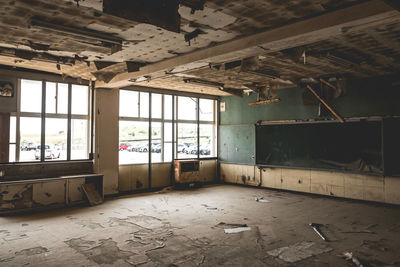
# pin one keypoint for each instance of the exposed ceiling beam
(359, 17)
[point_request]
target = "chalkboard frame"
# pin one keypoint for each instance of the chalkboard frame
(392, 169)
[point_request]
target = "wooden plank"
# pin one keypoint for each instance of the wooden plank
(92, 194)
(275, 100)
(328, 84)
(355, 18)
(326, 104)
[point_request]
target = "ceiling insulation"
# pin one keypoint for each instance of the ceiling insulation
(78, 39)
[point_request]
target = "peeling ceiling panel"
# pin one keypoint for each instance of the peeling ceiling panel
(95, 4)
(207, 18)
(256, 15)
(62, 47)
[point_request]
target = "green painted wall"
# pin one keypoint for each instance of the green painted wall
(237, 143)
(237, 131)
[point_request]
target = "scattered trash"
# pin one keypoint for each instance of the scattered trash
(209, 208)
(261, 199)
(316, 226)
(165, 190)
(232, 225)
(349, 256)
(233, 228)
(299, 251)
(237, 230)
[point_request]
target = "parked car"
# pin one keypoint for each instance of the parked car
(181, 148)
(186, 146)
(205, 150)
(123, 146)
(191, 150)
(134, 147)
(143, 148)
(156, 148)
(49, 152)
(28, 146)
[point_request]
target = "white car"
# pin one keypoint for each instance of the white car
(49, 153)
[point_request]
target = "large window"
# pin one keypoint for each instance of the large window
(51, 123)
(162, 127)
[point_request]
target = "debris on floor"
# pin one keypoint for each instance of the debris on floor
(261, 199)
(92, 194)
(349, 256)
(237, 230)
(209, 208)
(165, 190)
(232, 225)
(315, 227)
(299, 251)
(233, 228)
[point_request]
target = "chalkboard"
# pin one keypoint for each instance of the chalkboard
(351, 146)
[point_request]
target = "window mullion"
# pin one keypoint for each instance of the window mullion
(56, 98)
(43, 128)
(17, 122)
(162, 128)
(149, 140)
(69, 121)
(198, 127)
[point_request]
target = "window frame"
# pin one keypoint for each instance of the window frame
(43, 115)
(175, 121)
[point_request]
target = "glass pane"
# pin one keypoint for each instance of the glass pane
(206, 110)
(133, 142)
(79, 139)
(187, 140)
(187, 108)
(207, 140)
(167, 151)
(56, 139)
(13, 129)
(31, 96)
(167, 132)
(156, 147)
(12, 153)
(156, 106)
(144, 105)
(168, 107)
(62, 98)
(128, 103)
(30, 129)
(51, 97)
(80, 101)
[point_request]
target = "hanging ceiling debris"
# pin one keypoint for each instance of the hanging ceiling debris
(245, 45)
(161, 13)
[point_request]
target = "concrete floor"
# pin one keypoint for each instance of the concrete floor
(185, 228)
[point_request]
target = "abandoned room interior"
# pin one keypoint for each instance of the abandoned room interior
(199, 133)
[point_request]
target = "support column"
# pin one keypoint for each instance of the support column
(4, 137)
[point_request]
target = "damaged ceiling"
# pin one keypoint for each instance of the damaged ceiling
(214, 47)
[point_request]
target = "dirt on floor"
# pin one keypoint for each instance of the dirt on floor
(209, 226)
